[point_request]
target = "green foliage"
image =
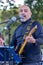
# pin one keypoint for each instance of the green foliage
(6, 14)
(37, 8)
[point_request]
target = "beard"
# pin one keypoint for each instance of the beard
(22, 20)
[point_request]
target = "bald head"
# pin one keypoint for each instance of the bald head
(25, 7)
(25, 12)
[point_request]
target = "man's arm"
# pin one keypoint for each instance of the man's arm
(39, 39)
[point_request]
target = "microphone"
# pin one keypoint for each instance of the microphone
(11, 21)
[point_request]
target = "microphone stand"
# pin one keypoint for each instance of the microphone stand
(10, 55)
(9, 35)
(6, 21)
(3, 22)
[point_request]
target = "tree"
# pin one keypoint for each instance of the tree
(9, 13)
(36, 7)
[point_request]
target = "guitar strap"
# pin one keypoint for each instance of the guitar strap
(28, 28)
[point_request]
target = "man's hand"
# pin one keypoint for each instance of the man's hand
(30, 39)
(1, 42)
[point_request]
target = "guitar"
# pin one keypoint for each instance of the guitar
(24, 44)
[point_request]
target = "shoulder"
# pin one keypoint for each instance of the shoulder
(39, 26)
(35, 22)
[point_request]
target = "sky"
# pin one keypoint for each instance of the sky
(17, 2)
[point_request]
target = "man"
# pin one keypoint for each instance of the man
(31, 53)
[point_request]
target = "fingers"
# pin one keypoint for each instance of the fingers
(30, 39)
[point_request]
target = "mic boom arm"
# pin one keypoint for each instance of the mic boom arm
(24, 44)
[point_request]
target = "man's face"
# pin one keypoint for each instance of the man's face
(25, 13)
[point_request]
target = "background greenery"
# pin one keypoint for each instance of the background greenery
(37, 11)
